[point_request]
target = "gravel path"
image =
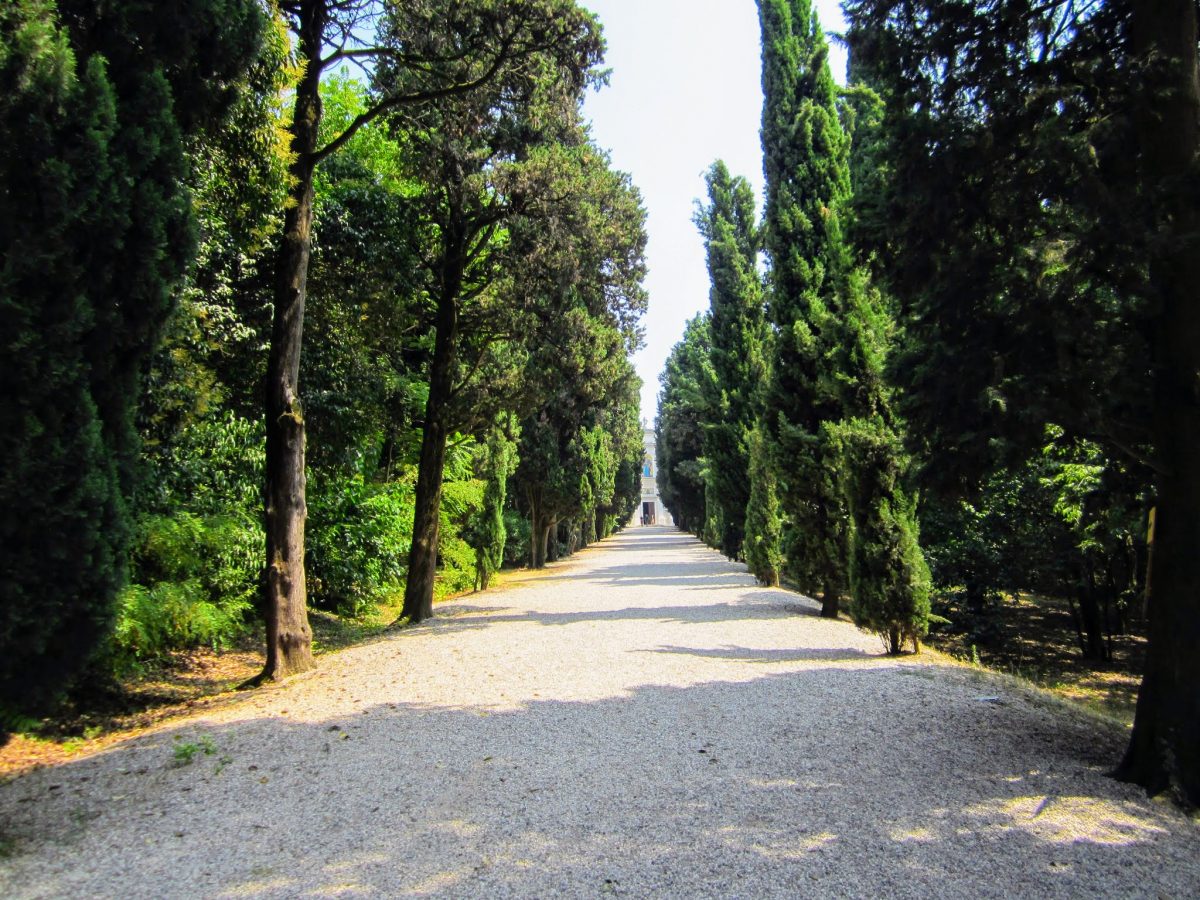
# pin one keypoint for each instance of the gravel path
(642, 721)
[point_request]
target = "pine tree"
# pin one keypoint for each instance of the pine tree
(737, 331)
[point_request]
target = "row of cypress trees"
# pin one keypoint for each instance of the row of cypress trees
(804, 467)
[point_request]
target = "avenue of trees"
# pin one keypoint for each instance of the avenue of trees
(969, 364)
(320, 303)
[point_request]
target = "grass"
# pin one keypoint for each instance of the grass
(185, 751)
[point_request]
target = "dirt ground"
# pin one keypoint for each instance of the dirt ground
(183, 683)
(1033, 640)
(642, 720)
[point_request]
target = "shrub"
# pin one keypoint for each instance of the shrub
(194, 584)
(516, 546)
(462, 502)
(359, 535)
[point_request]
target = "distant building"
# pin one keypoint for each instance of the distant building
(652, 511)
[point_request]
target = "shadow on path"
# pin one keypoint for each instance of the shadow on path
(800, 784)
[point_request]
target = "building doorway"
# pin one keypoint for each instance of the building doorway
(648, 513)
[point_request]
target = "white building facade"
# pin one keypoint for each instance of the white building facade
(651, 511)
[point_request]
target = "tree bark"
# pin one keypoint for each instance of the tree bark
(1091, 625)
(537, 549)
(285, 596)
(1164, 749)
(422, 557)
(829, 601)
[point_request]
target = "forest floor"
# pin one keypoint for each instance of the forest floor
(1034, 638)
(639, 720)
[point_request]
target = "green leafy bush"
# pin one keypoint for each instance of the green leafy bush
(516, 546)
(359, 535)
(194, 584)
(462, 501)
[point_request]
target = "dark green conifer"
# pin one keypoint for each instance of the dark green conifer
(737, 329)
(494, 463)
(762, 514)
(679, 429)
(805, 160)
(837, 450)
(97, 101)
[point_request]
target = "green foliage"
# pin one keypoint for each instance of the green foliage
(1068, 523)
(213, 345)
(763, 524)
(1006, 224)
(96, 234)
(805, 160)
(517, 538)
(196, 556)
(366, 347)
(462, 503)
(836, 444)
(183, 752)
(358, 540)
(194, 582)
(738, 335)
(214, 467)
(1000, 204)
(486, 532)
(683, 410)
(889, 578)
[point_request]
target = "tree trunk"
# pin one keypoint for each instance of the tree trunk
(537, 557)
(552, 541)
(537, 543)
(285, 598)
(829, 601)
(1164, 749)
(422, 558)
(543, 541)
(1092, 625)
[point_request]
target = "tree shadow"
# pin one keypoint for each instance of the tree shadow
(860, 781)
(759, 655)
(759, 604)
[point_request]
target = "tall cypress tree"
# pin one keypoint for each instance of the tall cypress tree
(838, 454)
(737, 329)
(683, 410)
(97, 102)
(805, 160)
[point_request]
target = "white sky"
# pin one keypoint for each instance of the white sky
(685, 91)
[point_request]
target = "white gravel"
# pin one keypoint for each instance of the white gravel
(642, 721)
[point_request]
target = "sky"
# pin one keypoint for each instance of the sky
(684, 91)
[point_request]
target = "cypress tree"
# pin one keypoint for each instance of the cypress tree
(62, 516)
(97, 102)
(805, 161)
(837, 449)
(495, 462)
(679, 429)
(762, 514)
(737, 330)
